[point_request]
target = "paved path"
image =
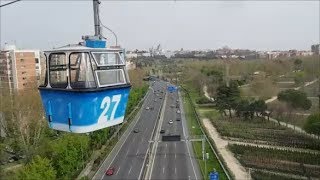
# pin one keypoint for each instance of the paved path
(232, 163)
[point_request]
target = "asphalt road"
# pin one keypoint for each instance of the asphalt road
(129, 160)
(174, 159)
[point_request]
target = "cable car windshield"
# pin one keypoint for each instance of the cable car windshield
(108, 58)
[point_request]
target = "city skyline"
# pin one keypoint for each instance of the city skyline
(190, 25)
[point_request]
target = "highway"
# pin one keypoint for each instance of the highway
(129, 159)
(174, 159)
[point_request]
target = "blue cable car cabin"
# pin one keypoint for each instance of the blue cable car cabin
(85, 89)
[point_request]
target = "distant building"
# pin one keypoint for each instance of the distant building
(315, 49)
(19, 69)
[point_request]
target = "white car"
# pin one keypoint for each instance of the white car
(178, 111)
(170, 122)
(147, 108)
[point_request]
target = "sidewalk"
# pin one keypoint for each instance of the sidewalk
(232, 163)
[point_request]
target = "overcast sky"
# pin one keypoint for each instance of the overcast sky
(174, 24)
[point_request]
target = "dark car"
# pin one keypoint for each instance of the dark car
(162, 131)
(110, 171)
(136, 130)
(178, 119)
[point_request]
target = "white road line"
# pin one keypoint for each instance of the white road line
(118, 170)
(163, 170)
(166, 145)
(130, 170)
(137, 152)
(175, 170)
(175, 156)
(165, 155)
(127, 152)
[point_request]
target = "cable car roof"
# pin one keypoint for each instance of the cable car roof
(78, 48)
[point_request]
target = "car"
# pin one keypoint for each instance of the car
(178, 119)
(136, 130)
(172, 105)
(147, 108)
(155, 100)
(110, 171)
(170, 121)
(160, 98)
(178, 111)
(162, 131)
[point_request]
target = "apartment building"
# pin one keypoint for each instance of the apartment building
(19, 69)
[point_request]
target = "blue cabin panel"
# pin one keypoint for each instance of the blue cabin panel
(82, 112)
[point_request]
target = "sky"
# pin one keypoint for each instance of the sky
(257, 25)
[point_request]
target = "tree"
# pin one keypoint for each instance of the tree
(312, 124)
(259, 107)
(68, 154)
(299, 78)
(295, 99)
(297, 64)
(227, 97)
(39, 168)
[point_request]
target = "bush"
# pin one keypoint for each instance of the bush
(39, 168)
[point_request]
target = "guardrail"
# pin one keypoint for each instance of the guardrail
(213, 148)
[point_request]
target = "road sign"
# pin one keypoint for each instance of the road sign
(172, 88)
(214, 176)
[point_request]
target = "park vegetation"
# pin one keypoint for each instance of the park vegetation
(237, 109)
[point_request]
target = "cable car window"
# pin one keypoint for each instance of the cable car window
(58, 70)
(107, 59)
(43, 70)
(110, 77)
(81, 75)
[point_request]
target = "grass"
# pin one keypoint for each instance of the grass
(312, 90)
(194, 130)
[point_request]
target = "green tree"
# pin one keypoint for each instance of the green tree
(295, 99)
(259, 107)
(312, 124)
(39, 168)
(299, 78)
(227, 97)
(69, 153)
(297, 64)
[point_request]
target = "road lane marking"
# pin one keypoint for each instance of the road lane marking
(127, 152)
(137, 152)
(165, 155)
(118, 170)
(175, 170)
(152, 134)
(175, 156)
(130, 170)
(155, 145)
(163, 170)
